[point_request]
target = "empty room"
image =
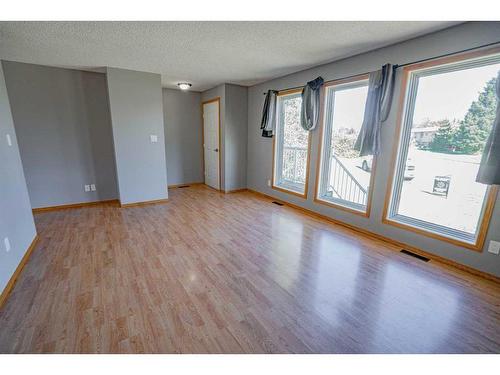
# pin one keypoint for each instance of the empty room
(247, 187)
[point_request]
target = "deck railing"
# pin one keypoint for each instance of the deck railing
(294, 164)
(344, 184)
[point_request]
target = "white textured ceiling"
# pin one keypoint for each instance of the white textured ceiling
(203, 53)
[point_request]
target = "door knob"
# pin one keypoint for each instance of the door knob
(216, 150)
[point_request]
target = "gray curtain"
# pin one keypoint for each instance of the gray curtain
(268, 123)
(489, 169)
(377, 108)
(309, 114)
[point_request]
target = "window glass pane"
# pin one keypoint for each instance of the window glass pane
(345, 177)
(453, 111)
(291, 146)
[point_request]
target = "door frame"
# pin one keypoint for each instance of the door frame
(216, 99)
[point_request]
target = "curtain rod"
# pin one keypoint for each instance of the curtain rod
(396, 66)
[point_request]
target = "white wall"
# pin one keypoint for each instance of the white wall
(259, 154)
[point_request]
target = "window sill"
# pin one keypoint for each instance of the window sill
(289, 191)
(477, 245)
(365, 213)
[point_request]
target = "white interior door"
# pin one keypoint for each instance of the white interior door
(211, 147)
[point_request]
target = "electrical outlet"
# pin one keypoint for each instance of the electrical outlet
(494, 247)
(87, 188)
(268, 182)
(92, 187)
(7, 244)
(153, 138)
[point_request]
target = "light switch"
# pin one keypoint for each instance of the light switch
(7, 244)
(9, 140)
(92, 187)
(494, 247)
(87, 188)
(153, 138)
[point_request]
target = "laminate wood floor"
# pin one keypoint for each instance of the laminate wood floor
(214, 273)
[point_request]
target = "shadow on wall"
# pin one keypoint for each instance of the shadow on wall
(101, 135)
(63, 126)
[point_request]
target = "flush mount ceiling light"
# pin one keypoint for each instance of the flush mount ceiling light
(184, 85)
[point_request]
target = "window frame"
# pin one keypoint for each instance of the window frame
(317, 199)
(308, 157)
(397, 153)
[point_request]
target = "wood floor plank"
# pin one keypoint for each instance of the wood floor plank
(215, 273)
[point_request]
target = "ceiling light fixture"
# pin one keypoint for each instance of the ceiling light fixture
(184, 85)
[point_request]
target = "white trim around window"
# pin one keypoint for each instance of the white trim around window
(412, 75)
(290, 172)
(344, 180)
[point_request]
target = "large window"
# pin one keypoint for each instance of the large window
(344, 177)
(291, 146)
(447, 116)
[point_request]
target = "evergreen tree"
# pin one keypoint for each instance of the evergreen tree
(474, 129)
(444, 138)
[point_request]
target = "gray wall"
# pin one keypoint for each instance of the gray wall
(64, 132)
(16, 219)
(234, 116)
(235, 135)
(260, 149)
(135, 102)
(183, 136)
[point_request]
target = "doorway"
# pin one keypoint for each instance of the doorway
(211, 142)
